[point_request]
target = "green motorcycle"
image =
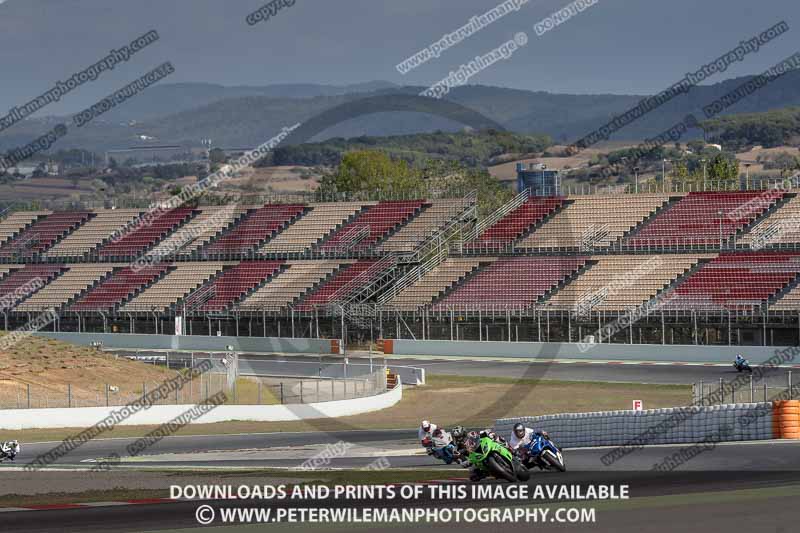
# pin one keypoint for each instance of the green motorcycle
(491, 458)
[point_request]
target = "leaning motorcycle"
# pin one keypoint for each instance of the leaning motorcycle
(542, 453)
(743, 366)
(9, 450)
(496, 460)
(441, 446)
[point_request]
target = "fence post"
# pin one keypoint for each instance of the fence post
(144, 389)
(791, 395)
(69, 394)
(234, 391)
(752, 391)
(722, 389)
(106, 394)
(702, 392)
(765, 392)
(317, 390)
(29, 395)
(333, 389)
(281, 392)
(259, 392)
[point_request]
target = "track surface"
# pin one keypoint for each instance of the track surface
(758, 465)
(662, 374)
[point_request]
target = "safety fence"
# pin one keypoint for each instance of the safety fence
(246, 390)
(746, 388)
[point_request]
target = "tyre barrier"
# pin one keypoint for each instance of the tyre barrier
(786, 419)
(678, 425)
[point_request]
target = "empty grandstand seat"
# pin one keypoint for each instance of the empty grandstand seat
(286, 288)
(509, 228)
(173, 287)
(702, 219)
(121, 285)
(63, 289)
(344, 282)
(371, 225)
(20, 283)
(232, 285)
(511, 282)
(145, 233)
(740, 280)
(593, 222)
(43, 233)
(323, 219)
(254, 229)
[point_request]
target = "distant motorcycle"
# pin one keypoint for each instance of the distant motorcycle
(9, 450)
(543, 453)
(743, 366)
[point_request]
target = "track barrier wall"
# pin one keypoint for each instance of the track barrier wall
(554, 350)
(83, 417)
(198, 342)
(679, 425)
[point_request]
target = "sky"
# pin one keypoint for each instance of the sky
(613, 46)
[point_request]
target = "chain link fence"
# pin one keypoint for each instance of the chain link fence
(747, 389)
(250, 390)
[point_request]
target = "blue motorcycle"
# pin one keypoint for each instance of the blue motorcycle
(543, 453)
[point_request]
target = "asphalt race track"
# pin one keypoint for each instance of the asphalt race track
(728, 468)
(661, 374)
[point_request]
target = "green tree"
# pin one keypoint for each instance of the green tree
(369, 172)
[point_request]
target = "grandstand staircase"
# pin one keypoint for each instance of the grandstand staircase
(83, 292)
(195, 254)
(22, 230)
(47, 281)
(789, 287)
(352, 218)
(144, 287)
(94, 253)
(762, 218)
(678, 281)
(620, 243)
(495, 217)
(208, 291)
(202, 254)
(535, 227)
(585, 267)
(367, 284)
(459, 283)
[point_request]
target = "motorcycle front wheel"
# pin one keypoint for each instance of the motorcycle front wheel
(556, 461)
(500, 468)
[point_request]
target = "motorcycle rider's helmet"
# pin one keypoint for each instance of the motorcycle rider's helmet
(471, 444)
(473, 435)
(438, 432)
(425, 425)
(458, 432)
(519, 430)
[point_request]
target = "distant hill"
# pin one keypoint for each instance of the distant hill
(481, 148)
(247, 116)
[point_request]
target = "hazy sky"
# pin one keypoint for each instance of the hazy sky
(615, 46)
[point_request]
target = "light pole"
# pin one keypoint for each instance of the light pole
(636, 177)
(719, 213)
(747, 176)
(704, 173)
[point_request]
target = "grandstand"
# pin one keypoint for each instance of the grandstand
(703, 265)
